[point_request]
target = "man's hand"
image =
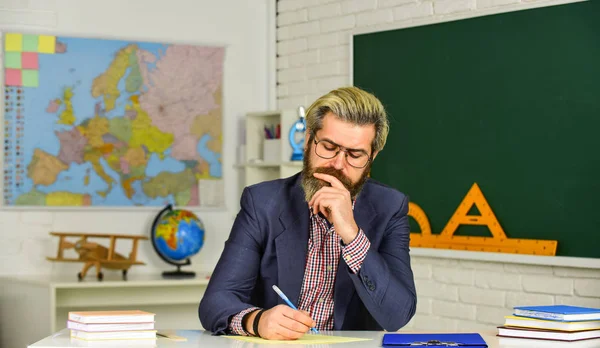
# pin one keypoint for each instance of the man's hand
(281, 323)
(336, 204)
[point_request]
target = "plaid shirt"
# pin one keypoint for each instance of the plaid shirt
(324, 251)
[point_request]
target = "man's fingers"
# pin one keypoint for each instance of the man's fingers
(303, 317)
(335, 182)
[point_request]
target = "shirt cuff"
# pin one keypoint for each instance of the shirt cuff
(354, 253)
(235, 326)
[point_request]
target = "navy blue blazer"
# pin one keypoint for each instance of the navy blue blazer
(268, 245)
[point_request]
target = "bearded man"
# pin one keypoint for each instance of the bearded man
(333, 240)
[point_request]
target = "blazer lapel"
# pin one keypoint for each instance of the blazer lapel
(364, 213)
(292, 244)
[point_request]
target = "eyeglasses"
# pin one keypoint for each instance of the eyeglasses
(327, 149)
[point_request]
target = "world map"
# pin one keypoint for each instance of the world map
(95, 122)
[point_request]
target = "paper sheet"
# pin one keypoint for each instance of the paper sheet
(304, 340)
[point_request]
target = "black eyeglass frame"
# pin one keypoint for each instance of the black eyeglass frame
(341, 148)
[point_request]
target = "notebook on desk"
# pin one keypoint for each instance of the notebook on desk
(471, 340)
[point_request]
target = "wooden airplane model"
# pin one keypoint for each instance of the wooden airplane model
(94, 254)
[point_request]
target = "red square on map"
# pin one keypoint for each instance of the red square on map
(12, 77)
(29, 60)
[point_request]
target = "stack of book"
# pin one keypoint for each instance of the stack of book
(133, 327)
(554, 324)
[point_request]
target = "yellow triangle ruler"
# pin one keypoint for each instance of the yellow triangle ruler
(498, 242)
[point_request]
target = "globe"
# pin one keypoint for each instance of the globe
(177, 235)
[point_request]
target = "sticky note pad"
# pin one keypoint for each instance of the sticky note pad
(12, 60)
(30, 43)
(46, 44)
(30, 78)
(13, 42)
(12, 77)
(29, 60)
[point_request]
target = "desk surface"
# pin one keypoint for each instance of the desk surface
(200, 338)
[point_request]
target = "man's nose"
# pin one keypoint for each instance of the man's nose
(339, 159)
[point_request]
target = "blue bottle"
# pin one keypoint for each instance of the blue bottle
(298, 127)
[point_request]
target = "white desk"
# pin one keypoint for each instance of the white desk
(200, 338)
(34, 307)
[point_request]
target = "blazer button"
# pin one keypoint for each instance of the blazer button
(372, 287)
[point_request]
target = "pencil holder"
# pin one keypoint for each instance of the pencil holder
(272, 150)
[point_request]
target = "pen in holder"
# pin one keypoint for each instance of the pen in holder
(298, 127)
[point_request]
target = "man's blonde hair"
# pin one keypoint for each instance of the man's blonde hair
(354, 105)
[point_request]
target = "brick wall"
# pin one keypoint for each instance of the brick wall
(313, 57)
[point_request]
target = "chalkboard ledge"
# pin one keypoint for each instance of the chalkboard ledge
(563, 261)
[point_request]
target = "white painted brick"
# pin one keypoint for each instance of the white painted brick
(10, 246)
(291, 102)
(392, 3)
(35, 231)
(333, 82)
(576, 272)
(453, 275)
(493, 3)
(324, 11)
(593, 302)
(292, 17)
(283, 33)
(291, 46)
(42, 5)
(10, 217)
(303, 58)
(28, 17)
(587, 287)
(282, 91)
(301, 88)
(407, 12)
(514, 299)
(548, 285)
(14, 4)
(433, 323)
(466, 325)
(528, 269)
(283, 62)
(434, 261)
(424, 306)
(421, 271)
(336, 24)
(492, 315)
(293, 5)
(498, 280)
(453, 6)
(325, 69)
(36, 251)
(344, 37)
(323, 40)
(291, 74)
(354, 6)
(37, 218)
(453, 309)
(482, 296)
(373, 18)
(482, 265)
(304, 29)
(433, 289)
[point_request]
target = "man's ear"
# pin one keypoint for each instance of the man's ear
(307, 137)
(374, 155)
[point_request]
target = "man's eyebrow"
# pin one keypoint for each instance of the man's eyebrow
(347, 148)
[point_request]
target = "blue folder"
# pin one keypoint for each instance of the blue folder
(471, 340)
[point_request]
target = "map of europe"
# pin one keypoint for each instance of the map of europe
(94, 122)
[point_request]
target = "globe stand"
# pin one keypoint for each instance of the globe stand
(178, 274)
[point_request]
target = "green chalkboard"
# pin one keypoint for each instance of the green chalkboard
(509, 101)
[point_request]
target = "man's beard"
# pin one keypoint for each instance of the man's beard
(311, 185)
